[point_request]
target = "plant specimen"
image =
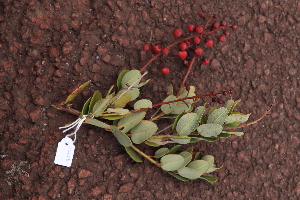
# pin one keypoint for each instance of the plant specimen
(189, 123)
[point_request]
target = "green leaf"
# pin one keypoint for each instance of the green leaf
(209, 159)
(133, 92)
(229, 105)
(143, 83)
(169, 116)
(232, 125)
(187, 124)
(193, 140)
(143, 103)
(197, 155)
(187, 157)
(96, 97)
(168, 108)
(72, 96)
(174, 149)
(130, 120)
(122, 138)
(172, 162)
(180, 139)
(142, 131)
(122, 101)
(236, 118)
(112, 117)
(212, 109)
(101, 105)
(176, 121)
(152, 144)
(116, 111)
(130, 77)
(190, 149)
(199, 165)
(132, 153)
(223, 135)
(209, 130)
(208, 139)
(98, 123)
(210, 179)
(178, 177)
(161, 152)
(120, 77)
(182, 107)
(218, 116)
(85, 108)
(189, 173)
(235, 104)
(234, 133)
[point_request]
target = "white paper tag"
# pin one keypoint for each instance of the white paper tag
(65, 152)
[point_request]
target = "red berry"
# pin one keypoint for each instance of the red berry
(182, 46)
(205, 61)
(234, 26)
(146, 47)
(222, 38)
(177, 32)
(156, 48)
(226, 32)
(198, 51)
(197, 40)
(215, 16)
(209, 43)
(220, 101)
(182, 54)
(191, 27)
(231, 91)
(165, 70)
(201, 14)
(198, 29)
(165, 51)
(188, 88)
(225, 92)
(215, 25)
(223, 23)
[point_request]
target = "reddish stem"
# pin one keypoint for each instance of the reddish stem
(187, 74)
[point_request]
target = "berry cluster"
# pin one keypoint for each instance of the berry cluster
(191, 47)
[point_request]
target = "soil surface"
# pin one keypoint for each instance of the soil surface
(49, 47)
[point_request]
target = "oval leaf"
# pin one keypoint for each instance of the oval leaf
(101, 105)
(122, 101)
(218, 116)
(209, 130)
(161, 152)
(187, 124)
(172, 162)
(130, 120)
(144, 130)
(187, 157)
(189, 173)
(199, 165)
(180, 139)
(132, 153)
(143, 103)
(72, 96)
(210, 159)
(210, 179)
(236, 118)
(229, 105)
(130, 77)
(96, 97)
(120, 77)
(122, 138)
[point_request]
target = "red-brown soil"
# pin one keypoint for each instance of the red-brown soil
(49, 47)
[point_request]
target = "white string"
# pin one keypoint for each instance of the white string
(76, 123)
